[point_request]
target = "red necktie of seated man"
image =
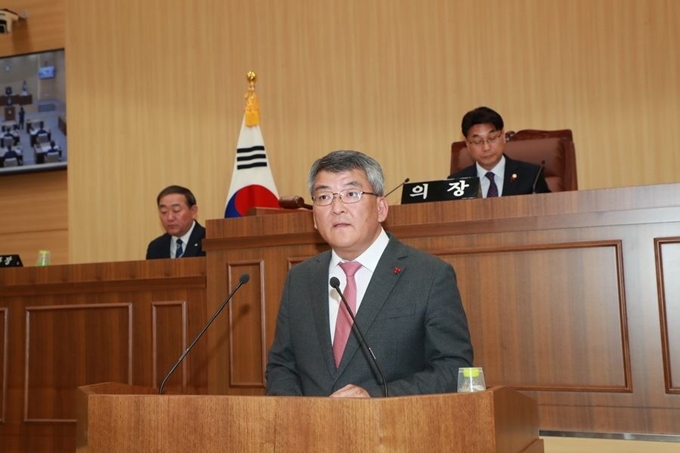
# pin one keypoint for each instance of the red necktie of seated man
(493, 188)
(343, 325)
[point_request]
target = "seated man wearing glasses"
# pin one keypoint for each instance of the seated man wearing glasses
(498, 174)
(407, 304)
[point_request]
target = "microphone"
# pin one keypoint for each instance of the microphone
(243, 279)
(335, 284)
(538, 173)
(405, 181)
(294, 202)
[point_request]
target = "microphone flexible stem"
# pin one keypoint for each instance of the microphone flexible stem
(242, 280)
(538, 174)
(336, 285)
(391, 191)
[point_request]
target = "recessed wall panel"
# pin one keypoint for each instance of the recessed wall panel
(668, 265)
(71, 346)
(169, 342)
(564, 329)
(246, 314)
(3, 362)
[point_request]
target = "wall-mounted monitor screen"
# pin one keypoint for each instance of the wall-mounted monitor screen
(33, 112)
(46, 72)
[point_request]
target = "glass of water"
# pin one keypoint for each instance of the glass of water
(471, 379)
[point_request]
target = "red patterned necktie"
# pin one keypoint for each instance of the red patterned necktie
(343, 325)
(493, 188)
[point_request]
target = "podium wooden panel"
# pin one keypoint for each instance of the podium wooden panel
(120, 418)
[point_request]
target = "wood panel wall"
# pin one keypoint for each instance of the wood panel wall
(33, 207)
(66, 326)
(42, 30)
(155, 93)
(34, 215)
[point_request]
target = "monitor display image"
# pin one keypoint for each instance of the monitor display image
(46, 72)
(33, 112)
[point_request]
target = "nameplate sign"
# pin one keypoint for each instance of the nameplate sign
(10, 261)
(444, 190)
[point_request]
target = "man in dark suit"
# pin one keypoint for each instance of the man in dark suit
(177, 210)
(407, 302)
(499, 175)
(10, 153)
(22, 117)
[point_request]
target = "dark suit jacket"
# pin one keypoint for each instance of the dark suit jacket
(411, 316)
(522, 184)
(160, 247)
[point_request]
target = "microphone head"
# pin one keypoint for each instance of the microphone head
(244, 278)
(406, 180)
(335, 282)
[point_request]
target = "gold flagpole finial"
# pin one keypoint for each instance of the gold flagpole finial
(252, 114)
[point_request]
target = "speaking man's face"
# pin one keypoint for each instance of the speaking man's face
(349, 228)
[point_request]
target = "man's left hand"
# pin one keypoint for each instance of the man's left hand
(351, 391)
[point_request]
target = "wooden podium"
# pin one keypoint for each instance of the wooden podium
(122, 418)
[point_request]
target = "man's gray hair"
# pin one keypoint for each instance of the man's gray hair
(346, 160)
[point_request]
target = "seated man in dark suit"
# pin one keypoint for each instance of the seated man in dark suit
(54, 148)
(177, 210)
(499, 174)
(8, 139)
(10, 153)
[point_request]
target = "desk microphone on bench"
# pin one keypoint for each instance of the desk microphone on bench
(538, 173)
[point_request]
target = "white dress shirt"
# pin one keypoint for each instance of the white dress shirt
(498, 177)
(185, 241)
(369, 261)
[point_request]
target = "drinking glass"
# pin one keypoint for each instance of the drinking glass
(471, 379)
(43, 258)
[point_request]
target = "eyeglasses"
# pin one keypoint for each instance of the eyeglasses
(348, 196)
(491, 139)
